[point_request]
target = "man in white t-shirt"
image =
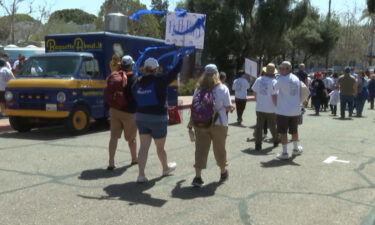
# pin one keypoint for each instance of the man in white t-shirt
(240, 87)
(266, 97)
(288, 109)
(5, 76)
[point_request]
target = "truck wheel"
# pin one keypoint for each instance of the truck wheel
(78, 121)
(20, 124)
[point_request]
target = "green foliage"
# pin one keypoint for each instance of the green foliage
(329, 32)
(4, 28)
(187, 88)
(148, 25)
(59, 27)
(306, 36)
(5, 22)
(371, 6)
(17, 18)
(222, 35)
(160, 5)
(72, 15)
(236, 29)
(274, 18)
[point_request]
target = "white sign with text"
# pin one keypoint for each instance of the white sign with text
(251, 68)
(181, 24)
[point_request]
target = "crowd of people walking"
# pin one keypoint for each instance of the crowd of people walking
(139, 105)
(280, 97)
(350, 89)
(143, 107)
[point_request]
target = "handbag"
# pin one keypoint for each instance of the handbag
(304, 92)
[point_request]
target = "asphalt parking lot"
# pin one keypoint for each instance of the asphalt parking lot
(49, 177)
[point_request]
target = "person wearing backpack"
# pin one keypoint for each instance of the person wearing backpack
(119, 98)
(211, 102)
(151, 115)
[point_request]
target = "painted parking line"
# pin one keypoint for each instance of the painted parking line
(332, 159)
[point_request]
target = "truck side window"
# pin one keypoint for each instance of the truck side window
(90, 67)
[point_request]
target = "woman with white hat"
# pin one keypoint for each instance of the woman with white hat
(151, 116)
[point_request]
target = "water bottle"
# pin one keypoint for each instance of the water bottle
(191, 135)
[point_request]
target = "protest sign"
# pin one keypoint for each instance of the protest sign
(185, 31)
(251, 68)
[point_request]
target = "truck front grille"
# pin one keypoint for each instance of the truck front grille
(32, 106)
(33, 101)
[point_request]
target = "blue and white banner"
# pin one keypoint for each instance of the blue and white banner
(188, 30)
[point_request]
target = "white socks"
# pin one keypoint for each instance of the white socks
(295, 144)
(285, 148)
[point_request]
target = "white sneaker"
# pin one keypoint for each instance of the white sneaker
(298, 151)
(142, 179)
(283, 156)
(171, 167)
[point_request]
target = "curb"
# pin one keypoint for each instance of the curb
(5, 126)
(187, 106)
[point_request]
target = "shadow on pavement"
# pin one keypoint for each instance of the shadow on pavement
(190, 192)
(53, 133)
(131, 192)
(345, 119)
(277, 163)
(237, 125)
(96, 174)
(252, 151)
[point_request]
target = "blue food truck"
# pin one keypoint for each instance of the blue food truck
(66, 84)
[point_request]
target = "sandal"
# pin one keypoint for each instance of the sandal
(110, 168)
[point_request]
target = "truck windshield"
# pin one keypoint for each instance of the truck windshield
(54, 66)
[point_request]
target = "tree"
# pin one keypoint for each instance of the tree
(148, 25)
(273, 20)
(76, 16)
(352, 47)
(24, 26)
(371, 18)
(223, 39)
(11, 7)
(247, 28)
(4, 28)
(304, 38)
(160, 5)
(371, 6)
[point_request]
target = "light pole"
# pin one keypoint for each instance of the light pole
(328, 21)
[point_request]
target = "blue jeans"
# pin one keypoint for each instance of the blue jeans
(360, 104)
(346, 100)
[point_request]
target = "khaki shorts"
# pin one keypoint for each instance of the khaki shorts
(287, 123)
(122, 121)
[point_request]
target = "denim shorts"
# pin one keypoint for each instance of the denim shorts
(157, 130)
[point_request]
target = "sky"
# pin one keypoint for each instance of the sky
(93, 6)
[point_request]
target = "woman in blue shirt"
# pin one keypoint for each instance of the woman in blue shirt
(151, 115)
